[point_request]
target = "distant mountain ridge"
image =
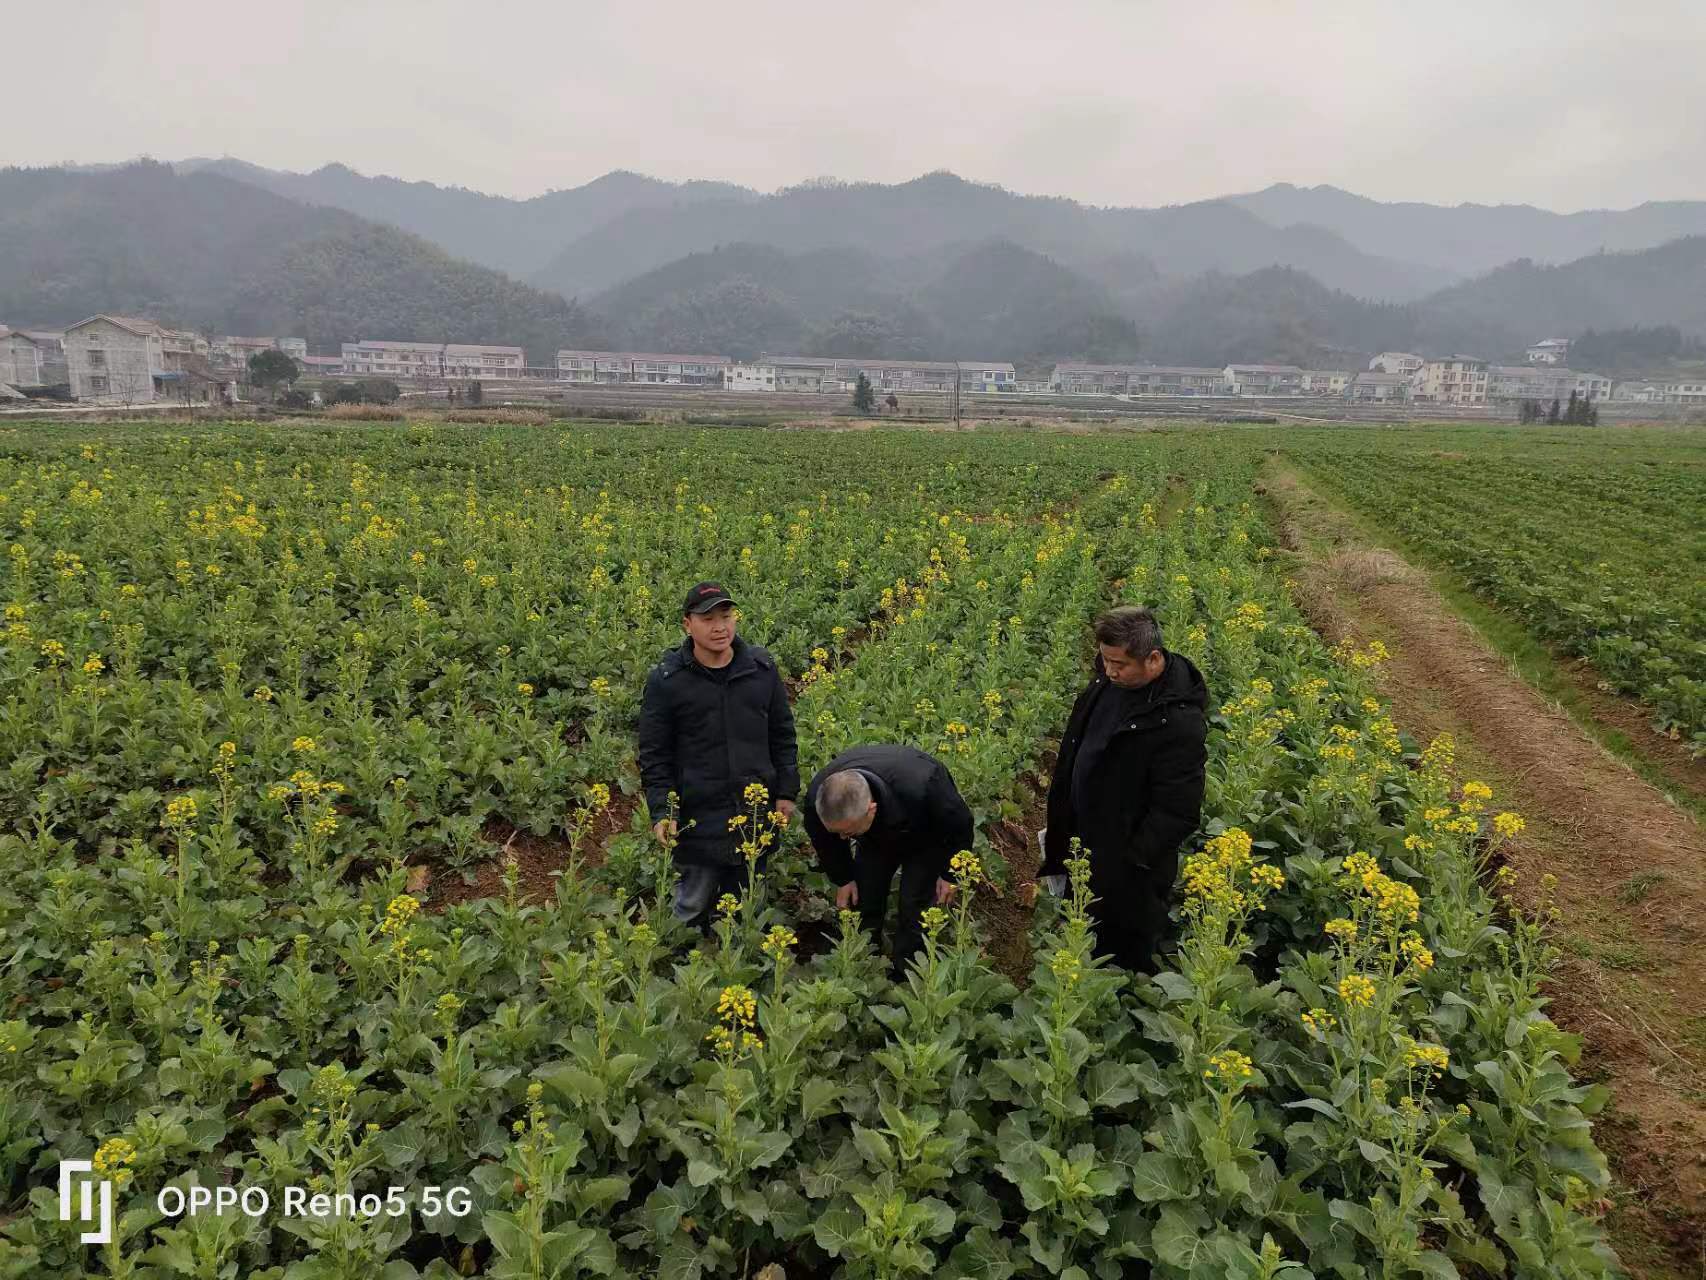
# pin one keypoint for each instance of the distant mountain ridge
(1469, 239)
(513, 236)
(937, 268)
(202, 250)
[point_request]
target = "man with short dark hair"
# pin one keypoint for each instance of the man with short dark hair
(1128, 782)
(714, 718)
(878, 809)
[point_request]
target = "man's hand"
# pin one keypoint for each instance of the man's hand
(847, 896)
(786, 809)
(665, 830)
(945, 891)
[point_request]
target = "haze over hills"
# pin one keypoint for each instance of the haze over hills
(1468, 239)
(514, 236)
(936, 267)
(202, 250)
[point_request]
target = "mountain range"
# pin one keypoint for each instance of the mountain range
(937, 266)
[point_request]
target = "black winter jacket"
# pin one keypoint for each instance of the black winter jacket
(1145, 792)
(705, 735)
(919, 810)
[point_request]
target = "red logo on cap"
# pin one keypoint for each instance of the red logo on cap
(707, 591)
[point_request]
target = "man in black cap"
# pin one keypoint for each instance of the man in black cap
(714, 718)
(1129, 782)
(877, 809)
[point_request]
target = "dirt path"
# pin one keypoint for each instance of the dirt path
(1631, 867)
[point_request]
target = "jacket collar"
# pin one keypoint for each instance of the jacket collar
(743, 661)
(1179, 681)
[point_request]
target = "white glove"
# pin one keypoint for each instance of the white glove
(1052, 884)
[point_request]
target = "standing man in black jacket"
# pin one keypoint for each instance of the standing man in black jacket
(1129, 782)
(877, 809)
(714, 718)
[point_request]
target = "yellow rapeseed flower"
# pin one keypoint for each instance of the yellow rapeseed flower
(1229, 1067)
(1356, 991)
(1508, 824)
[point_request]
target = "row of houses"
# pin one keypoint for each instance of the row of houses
(122, 359)
(814, 374)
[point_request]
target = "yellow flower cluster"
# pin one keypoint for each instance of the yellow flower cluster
(181, 813)
(398, 913)
(598, 796)
(1319, 1021)
(1396, 901)
(302, 745)
(737, 1014)
(934, 920)
(1249, 617)
(1356, 991)
(305, 785)
(1068, 969)
(1425, 1057)
(756, 793)
(1508, 824)
(1349, 654)
(524, 689)
(1223, 878)
(113, 1159)
(779, 941)
(1342, 929)
(1229, 1067)
(1414, 948)
(599, 687)
(966, 867)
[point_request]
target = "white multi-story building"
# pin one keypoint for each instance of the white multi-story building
(1173, 380)
(295, 348)
(1376, 387)
(22, 358)
(1550, 351)
(1324, 382)
(1593, 386)
(1544, 382)
(641, 368)
(1402, 362)
(749, 377)
(229, 352)
(374, 359)
(126, 360)
(471, 360)
(1074, 379)
(807, 374)
(1692, 392)
(1263, 379)
(1458, 379)
(987, 375)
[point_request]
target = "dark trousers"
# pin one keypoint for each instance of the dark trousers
(874, 871)
(699, 887)
(1131, 910)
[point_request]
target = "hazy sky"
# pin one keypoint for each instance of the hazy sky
(1567, 103)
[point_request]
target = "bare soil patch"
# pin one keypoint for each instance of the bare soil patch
(1630, 867)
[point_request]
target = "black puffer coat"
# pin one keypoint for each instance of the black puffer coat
(920, 814)
(1144, 797)
(705, 735)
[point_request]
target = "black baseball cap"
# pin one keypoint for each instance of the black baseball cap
(706, 596)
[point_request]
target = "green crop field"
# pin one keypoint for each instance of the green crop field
(255, 678)
(1595, 541)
